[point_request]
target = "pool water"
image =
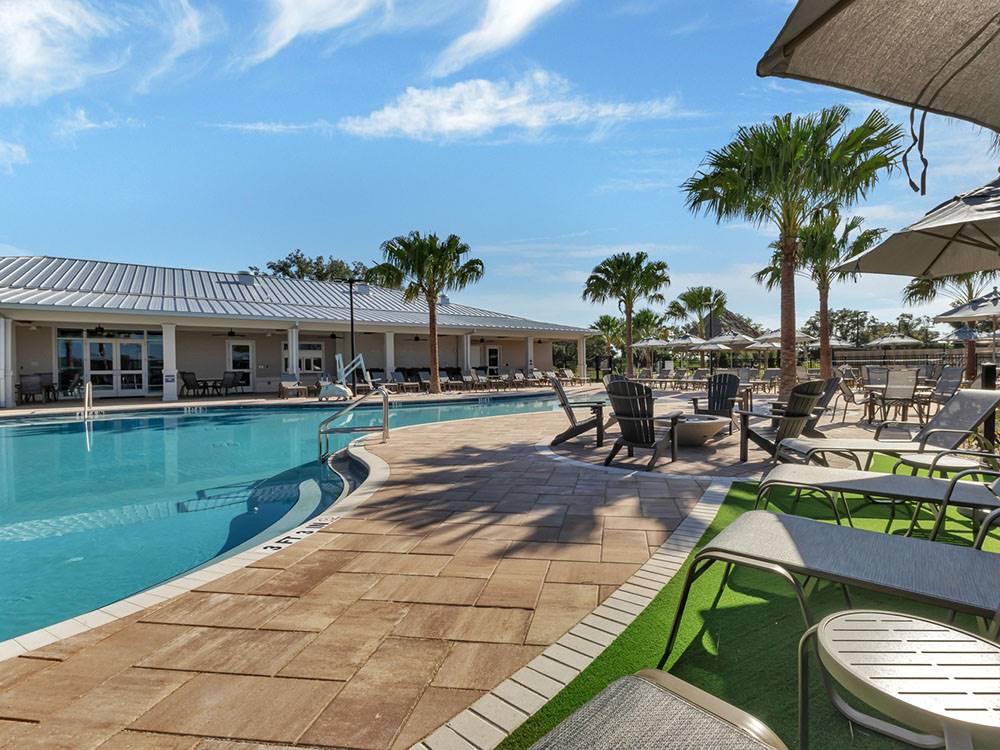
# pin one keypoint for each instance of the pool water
(90, 514)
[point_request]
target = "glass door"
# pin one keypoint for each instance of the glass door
(240, 359)
(131, 356)
(492, 360)
(101, 366)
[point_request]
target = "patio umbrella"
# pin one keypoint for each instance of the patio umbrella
(986, 307)
(961, 235)
(935, 56)
(800, 338)
(835, 343)
(684, 341)
(893, 339)
(731, 339)
(959, 335)
(711, 347)
(649, 343)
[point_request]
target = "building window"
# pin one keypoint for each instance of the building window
(310, 357)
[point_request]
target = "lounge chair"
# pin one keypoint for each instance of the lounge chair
(954, 423)
(190, 386)
(447, 383)
(784, 422)
(654, 710)
(290, 384)
(576, 426)
(425, 380)
(722, 397)
(633, 409)
(402, 384)
(539, 377)
(959, 579)
(830, 483)
(525, 380)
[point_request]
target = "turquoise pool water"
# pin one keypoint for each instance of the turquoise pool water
(89, 516)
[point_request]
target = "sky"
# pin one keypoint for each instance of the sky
(548, 134)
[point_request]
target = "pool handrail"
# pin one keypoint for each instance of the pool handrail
(324, 430)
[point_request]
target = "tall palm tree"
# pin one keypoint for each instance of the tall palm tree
(424, 266)
(627, 278)
(694, 305)
(821, 250)
(959, 290)
(648, 324)
(785, 171)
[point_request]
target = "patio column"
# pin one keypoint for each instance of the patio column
(581, 357)
(293, 350)
(531, 352)
(390, 354)
(169, 361)
(466, 353)
(6, 362)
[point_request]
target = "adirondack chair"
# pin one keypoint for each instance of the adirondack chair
(578, 426)
(722, 398)
(786, 423)
(633, 409)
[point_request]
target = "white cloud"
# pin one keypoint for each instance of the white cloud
(189, 29)
(45, 47)
(503, 23)
(79, 122)
(11, 154)
(294, 18)
(536, 102)
(276, 128)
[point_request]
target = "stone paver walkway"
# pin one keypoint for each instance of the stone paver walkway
(477, 553)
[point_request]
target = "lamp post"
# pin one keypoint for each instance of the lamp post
(351, 281)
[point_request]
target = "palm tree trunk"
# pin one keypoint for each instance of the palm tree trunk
(788, 247)
(970, 360)
(701, 335)
(629, 368)
(432, 327)
(825, 355)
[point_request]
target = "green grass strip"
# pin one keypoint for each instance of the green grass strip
(742, 645)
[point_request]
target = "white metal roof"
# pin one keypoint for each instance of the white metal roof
(43, 282)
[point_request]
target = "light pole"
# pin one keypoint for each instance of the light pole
(351, 281)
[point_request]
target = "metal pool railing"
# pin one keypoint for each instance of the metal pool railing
(325, 430)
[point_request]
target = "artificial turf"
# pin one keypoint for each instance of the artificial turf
(742, 645)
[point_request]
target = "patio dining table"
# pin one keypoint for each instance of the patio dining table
(210, 385)
(875, 389)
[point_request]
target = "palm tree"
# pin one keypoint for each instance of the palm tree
(959, 290)
(627, 278)
(424, 266)
(786, 171)
(611, 331)
(821, 250)
(694, 305)
(648, 324)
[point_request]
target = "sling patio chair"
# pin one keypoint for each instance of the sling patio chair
(849, 397)
(957, 579)
(654, 710)
(722, 397)
(424, 377)
(633, 410)
(832, 483)
(786, 422)
(190, 385)
(231, 382)
(447, 383)
(577, 426)
(900, 393)
(956, 422)
(948, 382)
(29, 387)
(570, 376)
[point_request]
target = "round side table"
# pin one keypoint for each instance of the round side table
(942, 681)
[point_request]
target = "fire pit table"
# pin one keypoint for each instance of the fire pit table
(694, 429)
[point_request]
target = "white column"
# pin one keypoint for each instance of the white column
(390, 354)
(581, 357)
(531, 352)
(466, 352)
(6, 362)
(169, 361)
(293, 350)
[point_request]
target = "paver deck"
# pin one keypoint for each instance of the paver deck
(477, 552)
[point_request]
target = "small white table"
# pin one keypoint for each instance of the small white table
(942, 681)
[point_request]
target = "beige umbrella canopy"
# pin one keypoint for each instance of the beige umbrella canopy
(893, 339)
(685, 341)
(731, 339)
(961, 235)
(986, 307)
(649, 343)
(934, 55)
(800, 338)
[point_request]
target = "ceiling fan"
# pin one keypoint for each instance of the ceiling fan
(231, 334)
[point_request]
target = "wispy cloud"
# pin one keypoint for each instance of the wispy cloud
(290, 19)
(503, 23)
(188, 29)
(538, 101)
(689, 27)
(78, 121)
(46, 47)
(277, 128)
(11, 154)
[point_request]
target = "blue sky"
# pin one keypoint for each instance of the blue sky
(547, 133)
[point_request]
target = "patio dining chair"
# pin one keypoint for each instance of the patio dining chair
(899, 394)
(633, 410)
(31, 386)
(190, 386)
(948, 382)
(848, 397)
(231, 382)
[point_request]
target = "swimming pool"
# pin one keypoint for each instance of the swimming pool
(90, 516)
